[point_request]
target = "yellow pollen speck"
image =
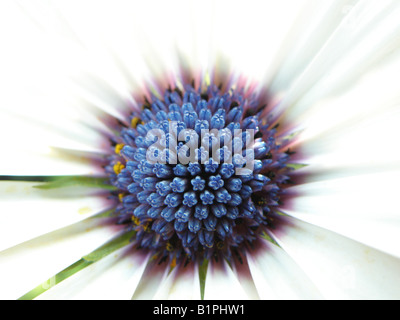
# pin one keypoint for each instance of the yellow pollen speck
(11, 189)
(135, 220)
(135, 121)
(173, 263)
(146, 227)
(84, 210)
(169, 247)
(118, 167)
(220, 245)
(261, 202)
(120, 196)
(118, 148)
(207, 79)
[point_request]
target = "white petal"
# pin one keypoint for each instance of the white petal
(32, 128)
(154, 274)
(363, 207)
(251, 35)
(48, 162)
(340, 268)
(181, 284)
(374, 28)
(302, 43)
(348, 117)
(277, 276)
(48, 82)
(364, 145)
(42, 211)
(29, 264)
(219, 278)
(245, 278)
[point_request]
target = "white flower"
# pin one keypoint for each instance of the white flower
(333, 66)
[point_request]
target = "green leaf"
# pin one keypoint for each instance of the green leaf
(29, 178)
(290, 136)
(280, 213)
(267, 237)
(202, 277)
(96, 255)
(296, 166)
(68, 181)
(106, 214)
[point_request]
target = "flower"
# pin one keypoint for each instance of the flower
(225, 211)
(329, 72)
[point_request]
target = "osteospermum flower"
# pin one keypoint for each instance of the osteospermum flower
(200, 150)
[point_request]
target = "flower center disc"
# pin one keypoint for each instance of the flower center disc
(197, 173)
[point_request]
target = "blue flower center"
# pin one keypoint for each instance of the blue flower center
(198, 172)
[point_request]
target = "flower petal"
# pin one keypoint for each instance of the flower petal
(277, 276)
(219, 278)
(154, 274)
(46, 210)
(360, 39)
(244, 34)
(243, 273)
(302, 42)
(360, 206)
(181, 284)
(340, 268)
(350, 123)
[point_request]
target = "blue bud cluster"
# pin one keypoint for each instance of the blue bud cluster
(203, 208)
